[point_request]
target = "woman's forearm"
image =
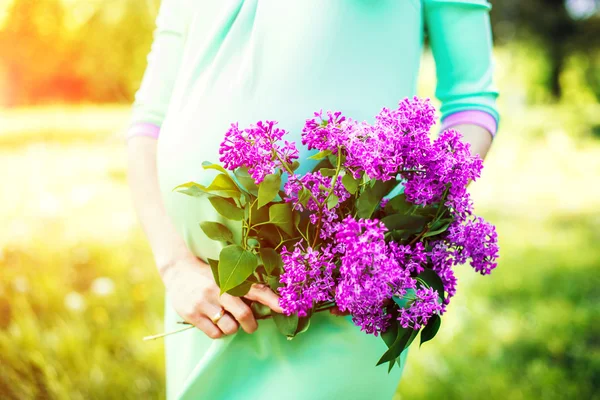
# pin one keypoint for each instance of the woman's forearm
(167, 244)
(479, 138)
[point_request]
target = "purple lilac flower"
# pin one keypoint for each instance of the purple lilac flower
(423, 307)
(447, 163)
(369, 273)
(372, 150)
(256, 148)
(307, 279)
(325, 134)
(319, 186)
(412, 258)
(477, 240)
(442, 263)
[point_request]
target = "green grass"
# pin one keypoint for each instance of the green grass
(527, 331)
(63, 337)
(79, 289)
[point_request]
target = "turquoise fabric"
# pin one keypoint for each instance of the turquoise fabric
(217, 62)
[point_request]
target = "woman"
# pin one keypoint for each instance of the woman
(217, 62)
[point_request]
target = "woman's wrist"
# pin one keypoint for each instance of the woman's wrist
(167, 259)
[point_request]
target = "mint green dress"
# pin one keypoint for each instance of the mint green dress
(217, 62)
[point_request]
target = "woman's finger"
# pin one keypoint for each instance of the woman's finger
(240, 311)
(263, 294)
(227, 324)
(206, 325)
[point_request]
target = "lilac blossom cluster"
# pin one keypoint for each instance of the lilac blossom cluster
(256, 148)
(308, 278)
(397, 141)
(422, 307)
(370, 273)
(352, 262)
(319, 188)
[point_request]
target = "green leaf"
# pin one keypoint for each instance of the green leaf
(191, 189)
(327, 171)
(226, 208)
(273, 282)
(433, 280)
(224, 186)
(303, 196)
(429, 332)
(281, 215)
(259, 309)
(397, 205)
(216, 231)
(407, 223)
(297, 219)
(333, 159)
(246, 180)
(240, 290)
(371, 197)
(259, 215)
(403, 339)
(270, 234)
(235, 265)
(252, 242)
(268, 188)
(214, 267)
(286, 325)
(390, 335)
(399, 234)
(324, 163)
(209, 165)
(427, 211)
(320, 155)
(294, 165)
(303, 324)
(271, 260)
(332, 201)
(392, 362)
(350, 183)
(439, 227)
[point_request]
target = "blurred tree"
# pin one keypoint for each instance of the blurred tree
(101, 60)
(35, 47)
(563, 28)
(113, 45)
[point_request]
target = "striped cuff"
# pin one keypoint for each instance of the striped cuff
(142, 129)
(474, 117)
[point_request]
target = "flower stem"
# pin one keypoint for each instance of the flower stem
(419, 237)
(160, 335)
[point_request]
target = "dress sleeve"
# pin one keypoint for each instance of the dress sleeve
(163, 62)
(461, 41)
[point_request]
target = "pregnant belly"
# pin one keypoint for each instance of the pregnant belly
(196, 124)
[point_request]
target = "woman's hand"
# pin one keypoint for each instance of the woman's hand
(195, 297)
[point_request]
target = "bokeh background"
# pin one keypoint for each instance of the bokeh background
(78, 286)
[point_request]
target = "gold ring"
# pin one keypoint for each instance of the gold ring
(215, 318)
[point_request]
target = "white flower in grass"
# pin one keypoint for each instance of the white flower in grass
(75, 302)
(21, 284)
(103, 286)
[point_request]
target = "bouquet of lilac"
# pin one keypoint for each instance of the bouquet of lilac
(339, 235)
